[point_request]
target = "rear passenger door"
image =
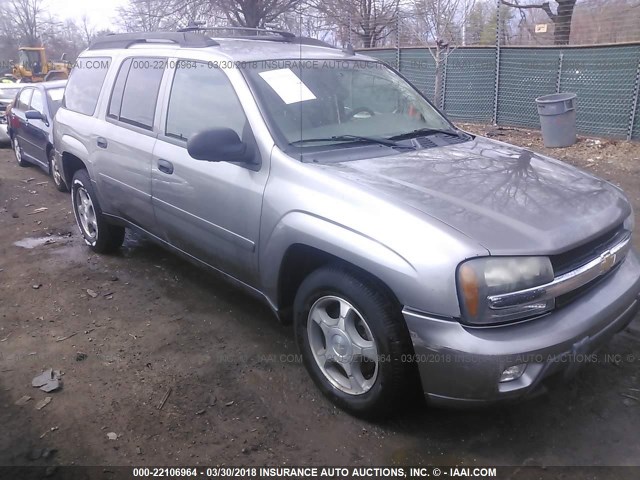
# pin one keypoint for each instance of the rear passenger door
(124, 169)
(209, 209)
(18, 119)
(35, 131)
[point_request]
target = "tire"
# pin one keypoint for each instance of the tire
(378, 387)
(96, 231)
(17, 152)
(55, 174)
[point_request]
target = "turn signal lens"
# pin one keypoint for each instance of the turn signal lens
(470, 289)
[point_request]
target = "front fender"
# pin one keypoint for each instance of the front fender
(340, 241)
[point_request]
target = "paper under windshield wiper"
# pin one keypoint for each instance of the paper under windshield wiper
(352, 138)
(423, 131)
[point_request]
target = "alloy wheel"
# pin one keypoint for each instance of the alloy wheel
(342, 345)
(86, 213)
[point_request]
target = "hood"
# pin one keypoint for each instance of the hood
(508, 199)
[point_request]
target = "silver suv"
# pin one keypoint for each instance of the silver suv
(405, 251)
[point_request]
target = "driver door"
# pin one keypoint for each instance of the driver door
(210, 210)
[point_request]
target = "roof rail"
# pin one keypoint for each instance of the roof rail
(125, 40)
(244, 31)
(250, 33)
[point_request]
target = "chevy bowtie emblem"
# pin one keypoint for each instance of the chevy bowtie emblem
(607, 260)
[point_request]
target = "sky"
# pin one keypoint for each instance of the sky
(99, 12)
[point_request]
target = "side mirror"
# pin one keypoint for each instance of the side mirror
(34, 115)
(219, 145)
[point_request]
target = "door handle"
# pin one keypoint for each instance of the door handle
(101, 142)
(165, 166)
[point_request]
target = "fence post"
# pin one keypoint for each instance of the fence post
(443, 92)
(559, 78)
(634, 104)
(497, 80)
(397, 42)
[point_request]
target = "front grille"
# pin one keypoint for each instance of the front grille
(567, 298)
(576, 257)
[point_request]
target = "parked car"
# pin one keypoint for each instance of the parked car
(30, 126)
(8, 92)
(405, 251)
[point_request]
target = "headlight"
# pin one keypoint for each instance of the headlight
(480, 277)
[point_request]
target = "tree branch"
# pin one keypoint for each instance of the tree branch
(543, 6)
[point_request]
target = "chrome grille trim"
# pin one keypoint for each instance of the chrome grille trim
(568, 282)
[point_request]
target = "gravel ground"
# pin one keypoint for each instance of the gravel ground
(126, 330)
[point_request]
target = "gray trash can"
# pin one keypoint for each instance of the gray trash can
(558, 119)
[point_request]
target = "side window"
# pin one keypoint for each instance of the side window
(24, 99)
(37, 101)
(85, 83)
(202, 98)
(118, 89)
(140, 94)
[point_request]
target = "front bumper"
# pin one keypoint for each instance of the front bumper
(461, 366)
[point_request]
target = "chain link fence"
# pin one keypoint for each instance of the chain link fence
(492, 71)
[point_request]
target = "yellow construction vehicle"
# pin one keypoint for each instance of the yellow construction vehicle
(33, 66)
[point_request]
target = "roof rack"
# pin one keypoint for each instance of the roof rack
(125, 40)
(251, 33)
(245, 31)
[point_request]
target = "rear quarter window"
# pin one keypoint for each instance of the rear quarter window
(85, 84)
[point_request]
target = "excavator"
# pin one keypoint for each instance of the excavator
(33, 66)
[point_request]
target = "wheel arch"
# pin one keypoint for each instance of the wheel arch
(300, 260)
(70, 165)
(301, 243)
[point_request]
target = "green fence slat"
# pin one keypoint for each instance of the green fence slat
(470, 84)
(525, 74)
(603, 77)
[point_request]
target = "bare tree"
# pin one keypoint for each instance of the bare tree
(88, 32)
(370, 21)
(309, 22)
(443, 19)
(441, 24)
(561, 18)
(145, 15)
(254, 13)
(27, 17)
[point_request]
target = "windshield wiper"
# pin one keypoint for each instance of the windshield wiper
(353, 138)
(424, 131)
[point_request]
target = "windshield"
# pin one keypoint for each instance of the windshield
(312, 103)
(55, 99)
(30, 59)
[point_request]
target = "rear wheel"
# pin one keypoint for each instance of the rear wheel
(96, 231)
(353, 340)
(17, 151)
(54, 171)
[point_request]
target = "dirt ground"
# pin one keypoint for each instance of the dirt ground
(150, 324)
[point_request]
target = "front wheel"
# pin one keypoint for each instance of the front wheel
(353, 341)
(96, 231)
